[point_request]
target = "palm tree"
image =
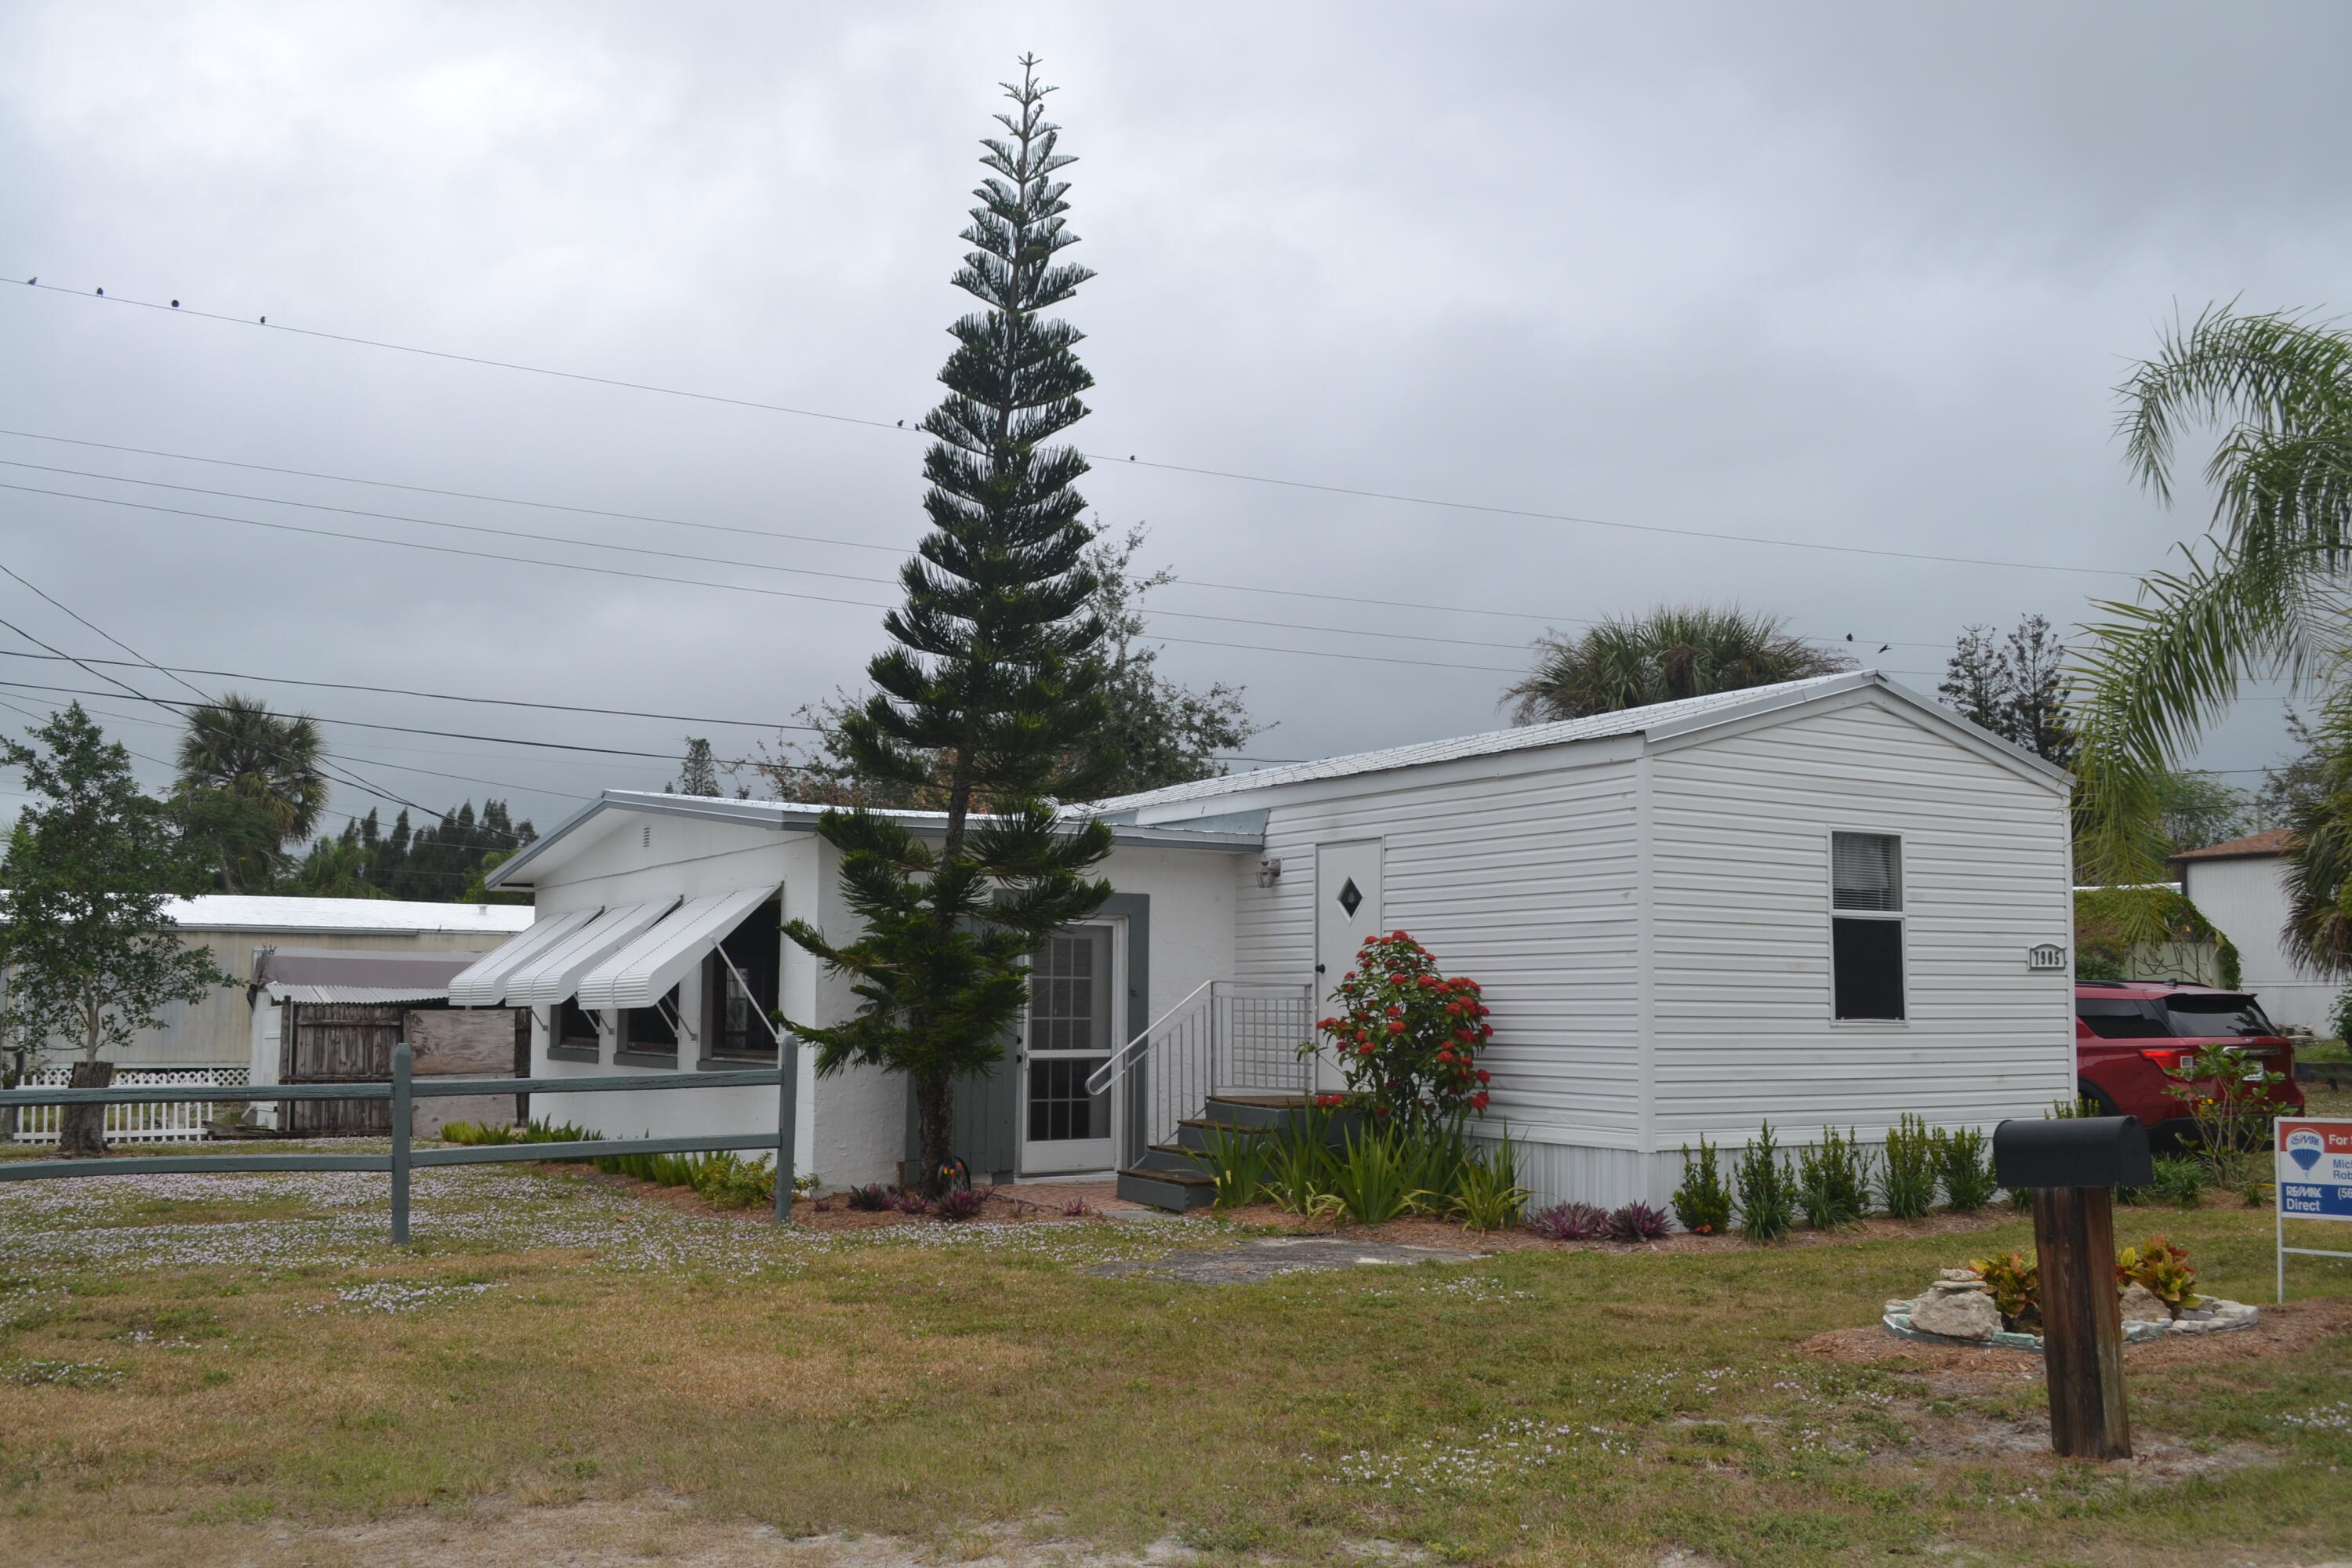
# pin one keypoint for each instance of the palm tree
(2263, 595)
(249, 783)
(1673, 651)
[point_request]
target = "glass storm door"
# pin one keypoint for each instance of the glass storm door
(1071, 1015)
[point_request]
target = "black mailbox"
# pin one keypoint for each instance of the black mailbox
(2073, 1152)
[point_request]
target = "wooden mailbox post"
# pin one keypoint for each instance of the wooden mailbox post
(2072, 1166)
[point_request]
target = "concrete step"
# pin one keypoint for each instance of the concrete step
(1167, 1190)
(1174, 1158)
(1255, 1110)
(1194, 1132)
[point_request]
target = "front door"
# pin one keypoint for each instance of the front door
(1346, 911)
(1073, 1018)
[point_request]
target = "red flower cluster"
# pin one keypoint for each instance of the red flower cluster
(1407, 1037)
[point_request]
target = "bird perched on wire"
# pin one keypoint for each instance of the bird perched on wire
(101, 293)
(175, 304)
(35, 277)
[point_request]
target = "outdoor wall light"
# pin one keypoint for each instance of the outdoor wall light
(1269, 871)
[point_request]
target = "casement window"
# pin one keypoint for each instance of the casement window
(753, 955)
(1866, 925)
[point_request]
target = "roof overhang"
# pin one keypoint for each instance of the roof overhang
(786, 817)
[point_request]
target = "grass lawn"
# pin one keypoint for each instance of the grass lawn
(232, 1368)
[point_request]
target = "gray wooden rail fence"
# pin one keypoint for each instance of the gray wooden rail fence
(403, 1090)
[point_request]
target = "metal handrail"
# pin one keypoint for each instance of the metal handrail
(1099, 1080)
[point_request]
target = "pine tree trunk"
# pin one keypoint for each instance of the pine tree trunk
(81, 1129)
(934, 1129)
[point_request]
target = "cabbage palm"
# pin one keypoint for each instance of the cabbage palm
(2263, 595)
(249, 783)
(1677, 650)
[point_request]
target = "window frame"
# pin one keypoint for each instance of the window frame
(649, 1054)
(714, 996)
(1899, 916)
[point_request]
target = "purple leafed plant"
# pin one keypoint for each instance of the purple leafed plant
(873, 1198)
(1076, 1208)
(958, 1204)
(912, 1203)
(1639, 1222)
(1570, 1221)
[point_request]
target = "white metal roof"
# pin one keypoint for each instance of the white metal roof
(791, 817)
(484, 984)
(553, 976)
(364, 995)
(1655, 719)
(244, 911)
(642, 973)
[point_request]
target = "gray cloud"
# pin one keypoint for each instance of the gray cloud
(1814, 273)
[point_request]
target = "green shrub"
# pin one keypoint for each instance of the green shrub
(1488, 1196)
(2179, 1179)
(728, 1182)
(1702, 1204)
(1237, 1159)
(1437, 1159)
(1963, 1162)
(1908, 1177)
(1767, 1204)
(1833, 1181)
(1368, 1182)
(1298, 1158)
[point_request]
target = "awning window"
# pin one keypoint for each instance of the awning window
(555, 976)
(485, 984)
(641, 974)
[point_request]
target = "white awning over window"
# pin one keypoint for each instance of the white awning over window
(640, 975)
(485, 984)
(550, 979)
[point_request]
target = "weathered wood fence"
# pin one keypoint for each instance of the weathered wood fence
(402, 1092)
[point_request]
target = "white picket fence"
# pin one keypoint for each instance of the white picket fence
(180, 1123)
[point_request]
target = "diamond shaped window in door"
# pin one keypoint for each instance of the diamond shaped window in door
(1351, 897)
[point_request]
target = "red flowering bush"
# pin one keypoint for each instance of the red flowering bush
(1408, 1037)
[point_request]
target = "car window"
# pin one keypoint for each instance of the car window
(2193, 1017)
(2123, 1018)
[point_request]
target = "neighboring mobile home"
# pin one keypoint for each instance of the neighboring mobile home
(234, 928)
(1829, 902)
(2240, 887)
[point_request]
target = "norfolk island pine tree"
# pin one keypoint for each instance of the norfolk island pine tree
(989, 697)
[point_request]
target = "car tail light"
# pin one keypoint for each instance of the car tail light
(2167, 1059)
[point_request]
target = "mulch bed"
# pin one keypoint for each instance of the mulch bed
(1003, 1205)
(2291, 1329)
(1422, 1231)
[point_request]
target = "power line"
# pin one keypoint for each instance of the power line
(679, 582)
(795, 538)
(1130, 461)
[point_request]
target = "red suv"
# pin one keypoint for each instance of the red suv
(2130, 1033)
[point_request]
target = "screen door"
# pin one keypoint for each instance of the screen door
(1071, 1014)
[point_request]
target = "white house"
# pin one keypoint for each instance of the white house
(1815, 903)
(2240, 887)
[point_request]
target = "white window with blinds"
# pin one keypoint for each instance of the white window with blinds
(1866, 928)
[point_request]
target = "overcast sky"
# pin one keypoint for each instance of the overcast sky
(1850, 276)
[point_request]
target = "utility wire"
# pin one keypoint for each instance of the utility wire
(1130, 461)
(896, 550)
(679, 582)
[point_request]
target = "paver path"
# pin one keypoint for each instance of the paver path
(1274, 1256)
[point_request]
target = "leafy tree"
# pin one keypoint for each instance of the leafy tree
(90, 952)
(2261, 593)
(249, 784)
(1675, 651)
(2201, 808)
(1162, 731)
(442, 862)
(989, 695)
(699, 774)
(2015, 687)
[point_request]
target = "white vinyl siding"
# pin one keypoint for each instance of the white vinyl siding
(1525, 882)
(1743, 1028)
